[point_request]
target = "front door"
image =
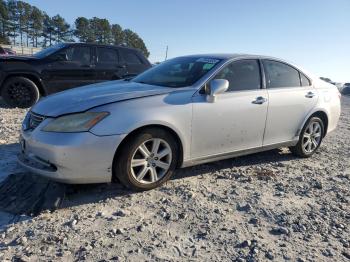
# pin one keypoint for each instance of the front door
(70, 67)
(291, 98)
(236, 120)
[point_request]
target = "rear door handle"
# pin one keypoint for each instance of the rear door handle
(259, 100)
(310, 94)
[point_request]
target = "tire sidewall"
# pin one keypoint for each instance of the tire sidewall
(123, 162)
(33, 89)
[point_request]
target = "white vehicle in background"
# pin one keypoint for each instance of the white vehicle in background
(346, 89)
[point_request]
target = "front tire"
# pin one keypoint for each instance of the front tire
(20, 92)
(310, 138)
(146, 160)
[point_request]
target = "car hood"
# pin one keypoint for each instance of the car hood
(83, 98)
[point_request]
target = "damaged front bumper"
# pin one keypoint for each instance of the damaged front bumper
(73, 158)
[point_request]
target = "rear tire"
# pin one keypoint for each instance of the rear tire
(20, 92)
(147, 159)
(310, 138)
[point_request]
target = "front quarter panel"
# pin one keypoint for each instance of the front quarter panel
(173, 110)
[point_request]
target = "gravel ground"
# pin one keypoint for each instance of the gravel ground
(267, 206)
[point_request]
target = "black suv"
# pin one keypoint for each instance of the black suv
(24, 79)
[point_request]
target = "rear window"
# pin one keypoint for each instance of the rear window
(280, 75)
(130, 57)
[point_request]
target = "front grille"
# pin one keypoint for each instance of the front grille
(35, 120)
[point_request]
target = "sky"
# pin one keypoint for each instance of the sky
(314, 34)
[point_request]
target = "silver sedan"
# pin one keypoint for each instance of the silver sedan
(185, 111)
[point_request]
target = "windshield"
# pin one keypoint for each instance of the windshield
(177, 72)
(48, 51)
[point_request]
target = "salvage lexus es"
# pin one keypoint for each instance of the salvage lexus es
(185, 111)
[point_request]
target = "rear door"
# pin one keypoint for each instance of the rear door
(70, 67)
(236, 120)
(108, 65)
(291, 98)
(133, 61)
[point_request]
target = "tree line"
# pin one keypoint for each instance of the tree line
(24, 24)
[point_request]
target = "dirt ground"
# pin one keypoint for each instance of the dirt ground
(266, 206)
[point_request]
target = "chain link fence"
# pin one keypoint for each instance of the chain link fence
(23, 50)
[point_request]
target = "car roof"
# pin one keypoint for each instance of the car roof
(101, 45)
(228, 56)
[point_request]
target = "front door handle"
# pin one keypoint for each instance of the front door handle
(310, 94)
(259, 100)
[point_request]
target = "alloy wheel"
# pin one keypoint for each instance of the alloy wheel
(19, 92)
(151, 161)
(312, 136)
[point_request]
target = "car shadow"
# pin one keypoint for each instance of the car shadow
(8, 160)
(93, 193)
(14, 193)
(271, 156)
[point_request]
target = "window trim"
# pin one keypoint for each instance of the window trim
(202, 89)
(282, 62)
(301, 83)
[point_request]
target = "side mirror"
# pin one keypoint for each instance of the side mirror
(217, 86)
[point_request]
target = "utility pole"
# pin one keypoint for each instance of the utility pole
(166, 53)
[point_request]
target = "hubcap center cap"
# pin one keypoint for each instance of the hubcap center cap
(151, 160)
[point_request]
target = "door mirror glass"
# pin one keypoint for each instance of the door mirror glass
(217, 86)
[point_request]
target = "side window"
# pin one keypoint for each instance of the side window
(242, 75)
(280, 75)
(130, 57)
(106, 55)
(304, 80)
(78, 54)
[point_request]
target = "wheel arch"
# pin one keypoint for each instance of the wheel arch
(159, 126)
(33, 77)
(322, 115)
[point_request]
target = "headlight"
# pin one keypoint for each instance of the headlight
(25, 123)
(81, 122)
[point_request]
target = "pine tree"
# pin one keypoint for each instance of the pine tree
(61, 29)
(12, 20)
(27, 24)
(48, 31)
(36, 22)
(117, 34)
(4, 17)
(133, 40)
(82, 29)
(23, 12)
